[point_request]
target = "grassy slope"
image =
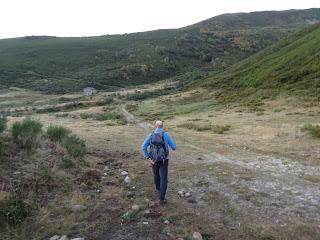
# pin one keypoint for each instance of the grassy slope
(66, 64)
(291, 65)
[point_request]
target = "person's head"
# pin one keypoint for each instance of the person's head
(158, 124)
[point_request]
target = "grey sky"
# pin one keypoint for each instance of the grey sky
(99, 17)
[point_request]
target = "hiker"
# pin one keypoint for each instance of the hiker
(155, 149)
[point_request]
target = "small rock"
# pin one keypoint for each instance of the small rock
(152, 204)
(105, 174)
(16, 173)
(127, 180)
(124, 173)
(135, 207)
(64, 237)
(141, 172)
(55, 237)
(197, 236)
(187, 194)
(130, 194)
(78, 208)
(145, 223)
(98, 191)
(199, 158)
(166, 222)
(147, 211)
(77, 239)
(106, 168)
(181, 193)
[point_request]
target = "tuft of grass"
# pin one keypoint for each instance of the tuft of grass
(13, 211)
(75, 146)
(57, 133)
(196, 127)
(67, 163)
(220, 129)
(26, 134)
(314, 130)
(3, 124)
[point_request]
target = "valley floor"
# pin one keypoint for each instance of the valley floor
(259, 180)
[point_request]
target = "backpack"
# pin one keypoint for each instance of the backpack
(157, 150)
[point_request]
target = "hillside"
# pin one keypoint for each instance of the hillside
(292, 66)
(54, 64)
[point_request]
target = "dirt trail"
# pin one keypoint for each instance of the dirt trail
(259, 186)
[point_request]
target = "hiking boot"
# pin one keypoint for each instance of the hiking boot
(162, 202)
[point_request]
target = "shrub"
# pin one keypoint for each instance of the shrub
(57, 133)
(66, 163)
(85, 115)
(314, 130)
(3, 124)
(195, 126)
(75, 146)
(26, 133)
(13, 211)
(220, 129)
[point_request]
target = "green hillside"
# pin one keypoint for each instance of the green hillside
(54, 64)
(292, 66)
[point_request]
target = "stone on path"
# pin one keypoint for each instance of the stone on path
(135, 207)
(127, 180)
(124, 173)
(55, 237)
(78, 208)
(197, 236)
(64, 237)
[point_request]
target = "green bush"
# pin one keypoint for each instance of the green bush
(66, 163)
(26, 134)
(3, 124)
(314, 130)
(13, 211)
(57, 133)
(75, 146)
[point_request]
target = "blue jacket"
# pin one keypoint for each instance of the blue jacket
(167, 139)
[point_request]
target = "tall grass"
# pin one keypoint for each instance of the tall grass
(26, 134)
(75, 146)
(313, 130)
(57, 133)
(3, 124)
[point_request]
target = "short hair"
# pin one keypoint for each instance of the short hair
(159, 123)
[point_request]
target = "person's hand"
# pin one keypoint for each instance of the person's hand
(151, 161)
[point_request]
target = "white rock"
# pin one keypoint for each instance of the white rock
(78, 208)
(105, 174)
(135, 207)
(127, 180)
(106, 168)
(166, 222)
(64, 237)
(197, 236)
(124, 173)
(55, 237)
(187, 194)
(181, 193)
(145, 223)
(77, 239)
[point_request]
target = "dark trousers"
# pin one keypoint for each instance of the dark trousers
(160, 174)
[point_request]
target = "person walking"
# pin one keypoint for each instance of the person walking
(155, 149)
